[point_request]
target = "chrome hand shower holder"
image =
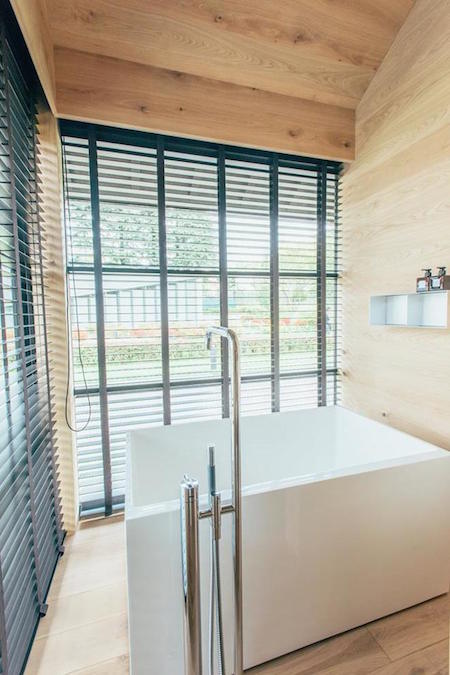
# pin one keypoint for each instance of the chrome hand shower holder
(190, 516)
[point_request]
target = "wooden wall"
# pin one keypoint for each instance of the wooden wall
(32, 17)
(396, 220)
(48, 157)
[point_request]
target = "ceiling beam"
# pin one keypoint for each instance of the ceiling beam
(32, 18)
(112, 91)
(320, 50)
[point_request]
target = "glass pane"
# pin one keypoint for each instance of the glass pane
(127, 411)
(256, 397)
(132, 328)
(127, 181)
(297, 227)
(333, 235)
(197, 403)
(249, 315)
(333, 389)
(248, 216)
(298, 325)
(299, 392)
(89, 449)
(84, 329)
(332, 327)
(191, 212)
(78, 202)
(193, 306)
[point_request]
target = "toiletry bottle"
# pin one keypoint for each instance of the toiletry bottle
(442, 271)
(424, 283)
(436, 279)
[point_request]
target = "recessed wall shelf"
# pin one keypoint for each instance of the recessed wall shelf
(415, 310)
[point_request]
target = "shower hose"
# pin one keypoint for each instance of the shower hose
(216, 650)
(215, 613)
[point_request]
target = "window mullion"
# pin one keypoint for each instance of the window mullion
(223, 266)
(163, 281)
(274, 286)
(100, 319)
(322, 284)
(336, 286)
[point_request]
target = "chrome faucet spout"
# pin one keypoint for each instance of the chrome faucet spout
(223, 331)
(231, 337)
(191, 514)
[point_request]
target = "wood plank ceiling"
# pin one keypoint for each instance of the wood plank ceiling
(286, 75)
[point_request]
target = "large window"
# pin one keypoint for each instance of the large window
(167, 236)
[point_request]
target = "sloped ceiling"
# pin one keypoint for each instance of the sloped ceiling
(302, 65)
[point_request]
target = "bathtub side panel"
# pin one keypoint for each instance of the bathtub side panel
(154, 594)
(155, 597)
(318, 559)
(325, 557)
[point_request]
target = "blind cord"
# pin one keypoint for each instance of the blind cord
(68, 238)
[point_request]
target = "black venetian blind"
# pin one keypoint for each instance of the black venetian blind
(30, 529)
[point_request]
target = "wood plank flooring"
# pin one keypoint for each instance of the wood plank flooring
(85, 630)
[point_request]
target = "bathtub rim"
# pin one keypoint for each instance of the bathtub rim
(132, 511)
(431, 453)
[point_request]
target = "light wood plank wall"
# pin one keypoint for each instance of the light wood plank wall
(50, 208)
(396, 220)
(101, 89)
(32, 16)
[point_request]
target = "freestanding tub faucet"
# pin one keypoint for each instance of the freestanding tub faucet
(190, 513)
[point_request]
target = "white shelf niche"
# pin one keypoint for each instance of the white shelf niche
(416, 310)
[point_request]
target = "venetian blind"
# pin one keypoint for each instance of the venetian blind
(167, 236)
(30, 527)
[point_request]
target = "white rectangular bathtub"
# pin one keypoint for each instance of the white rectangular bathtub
(344, 520)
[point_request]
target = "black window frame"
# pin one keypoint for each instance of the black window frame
(94, 134)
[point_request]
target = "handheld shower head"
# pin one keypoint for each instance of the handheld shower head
(212, 455)
(208, 340)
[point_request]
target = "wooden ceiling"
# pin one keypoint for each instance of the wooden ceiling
(288, 74)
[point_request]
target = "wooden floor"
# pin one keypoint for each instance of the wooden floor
(85, 630)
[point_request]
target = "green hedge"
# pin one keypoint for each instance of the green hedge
(137, 353)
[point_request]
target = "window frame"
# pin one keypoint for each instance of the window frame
(273, 161)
